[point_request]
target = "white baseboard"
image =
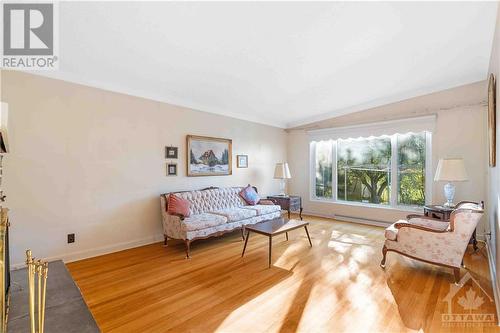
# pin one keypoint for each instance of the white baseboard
(306, 212)
(79, 255)
(350, 219)
(494, 279)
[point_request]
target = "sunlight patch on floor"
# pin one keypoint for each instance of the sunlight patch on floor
(318, 309)
(331, 260)
(362, 302)
(334, 234)
(290, 256)
(352, 238)
(339, 247)
(363, 254)
(278, 297)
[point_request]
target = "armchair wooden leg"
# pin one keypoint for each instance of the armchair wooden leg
(474, 241)
(456, 273)
(243, 233)
(384, 254)
(165, 241)
(188, 248)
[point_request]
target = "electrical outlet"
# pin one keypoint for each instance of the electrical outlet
(71, 238)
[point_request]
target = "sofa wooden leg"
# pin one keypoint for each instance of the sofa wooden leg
(456, 273)
(188, 249)
(384, 254)
(243, 233)
(165, 241)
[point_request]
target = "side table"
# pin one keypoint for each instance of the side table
(288, 203)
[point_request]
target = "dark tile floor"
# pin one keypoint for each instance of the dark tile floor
(65, 310)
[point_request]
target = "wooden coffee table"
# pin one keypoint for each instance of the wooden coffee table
(275, 227)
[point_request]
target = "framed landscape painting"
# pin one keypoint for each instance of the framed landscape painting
(208, 156)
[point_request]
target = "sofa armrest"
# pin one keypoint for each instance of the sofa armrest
(266, 202)
(173, 227)
(180, 216)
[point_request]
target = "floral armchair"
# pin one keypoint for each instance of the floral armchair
(435, 241)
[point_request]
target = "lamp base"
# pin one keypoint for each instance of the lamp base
(449, 193)
(282, 187)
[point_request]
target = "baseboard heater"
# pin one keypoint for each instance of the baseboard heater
(361, 220)
(353, 219)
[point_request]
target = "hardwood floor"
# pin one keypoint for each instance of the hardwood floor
(335, 286)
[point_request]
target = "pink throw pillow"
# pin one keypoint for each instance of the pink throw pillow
(250, 195)
(178, 206)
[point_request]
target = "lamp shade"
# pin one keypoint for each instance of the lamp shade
(451, 170)
(281, 171)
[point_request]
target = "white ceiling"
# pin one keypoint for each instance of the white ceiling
(280, 63)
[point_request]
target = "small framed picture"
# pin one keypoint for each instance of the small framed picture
(242, 161)
(171, 169)
(171, 152)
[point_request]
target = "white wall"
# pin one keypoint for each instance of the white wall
(460, 132)
(91, 162)
(494, 173)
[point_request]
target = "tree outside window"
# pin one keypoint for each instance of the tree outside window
(411, 169)
(364, 169)
(324, 169)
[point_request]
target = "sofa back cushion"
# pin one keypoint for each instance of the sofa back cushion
(212, 199)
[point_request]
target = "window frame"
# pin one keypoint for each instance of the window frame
(393, 203)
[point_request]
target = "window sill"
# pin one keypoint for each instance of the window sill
(364, 205)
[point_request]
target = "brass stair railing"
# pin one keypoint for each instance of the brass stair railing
(37, 287)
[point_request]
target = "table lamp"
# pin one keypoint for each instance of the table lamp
(450, 170)
(282, 172)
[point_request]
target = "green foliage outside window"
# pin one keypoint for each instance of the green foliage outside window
(364, 169)
(324, 169)
(411, 169)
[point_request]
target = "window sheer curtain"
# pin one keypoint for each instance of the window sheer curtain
(403, 126)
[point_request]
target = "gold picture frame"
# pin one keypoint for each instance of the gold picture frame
(208, 156)
(492, 124)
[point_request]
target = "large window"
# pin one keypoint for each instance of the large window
(411, 169)
(384, 170)
(364, 170)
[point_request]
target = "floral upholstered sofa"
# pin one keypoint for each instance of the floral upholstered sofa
(213, 212)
